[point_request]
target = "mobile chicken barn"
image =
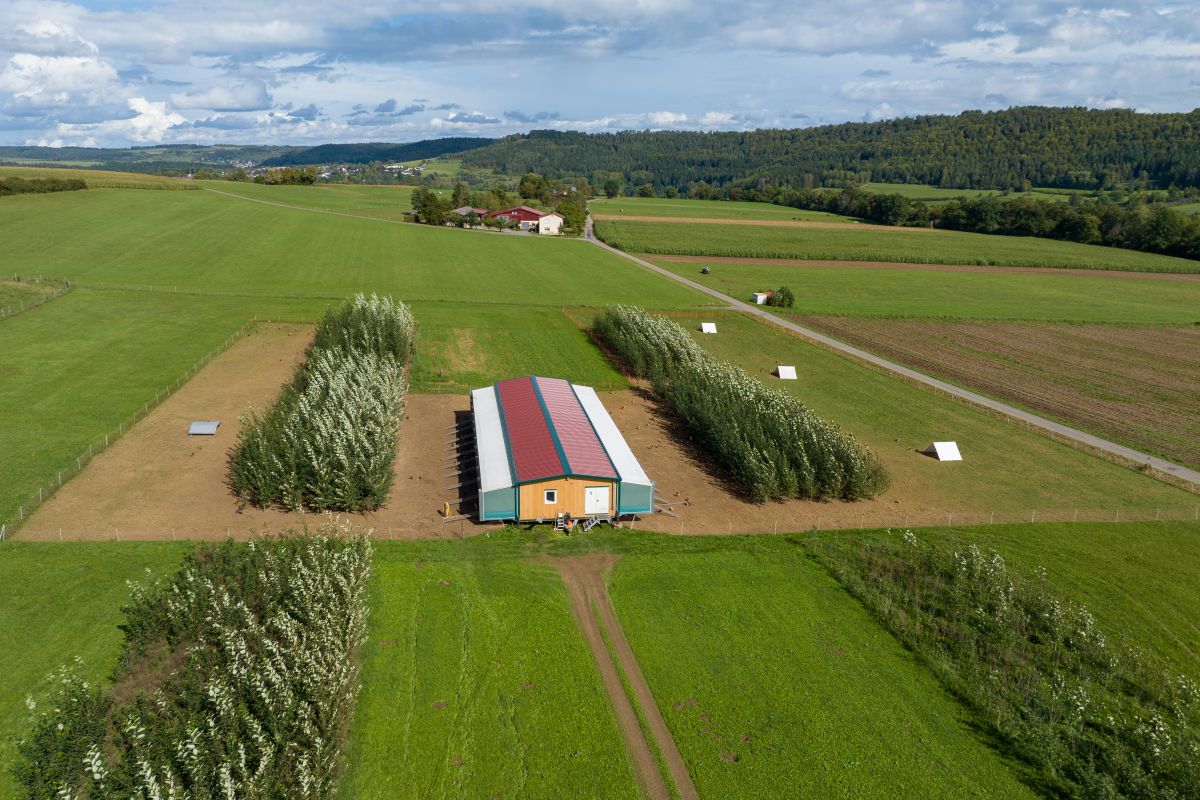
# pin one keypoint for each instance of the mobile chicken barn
(548, 448)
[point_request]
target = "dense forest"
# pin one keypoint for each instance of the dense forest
(1057, 147)
(375, 151)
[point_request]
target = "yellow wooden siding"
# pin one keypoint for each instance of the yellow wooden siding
(570, 498)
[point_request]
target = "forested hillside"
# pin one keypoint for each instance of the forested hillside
(1061, 147)
(375, 151)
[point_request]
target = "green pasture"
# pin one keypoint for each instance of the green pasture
(215, 243)
(59, 602)
(706, 209)
(775, 683)
(459, 348)
(924, 192)
(875, 244)
(476, 683)
(915, 292)
(1007, 469)
(1187, 208)
(13, 293)
(1137, 578)
(375, 202)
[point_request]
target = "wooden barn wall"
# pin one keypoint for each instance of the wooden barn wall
(570, 497)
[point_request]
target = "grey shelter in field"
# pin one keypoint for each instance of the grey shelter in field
(203, 428)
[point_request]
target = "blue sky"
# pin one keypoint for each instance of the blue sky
(114, 73)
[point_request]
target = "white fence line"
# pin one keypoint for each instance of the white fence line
(64, 286)
(45, 491)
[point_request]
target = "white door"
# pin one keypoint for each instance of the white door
(595, 500)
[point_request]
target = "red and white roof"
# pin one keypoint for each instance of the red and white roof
(534, 429)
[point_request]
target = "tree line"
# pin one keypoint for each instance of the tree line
(569, 199)
(14, 185)
(1053, 147)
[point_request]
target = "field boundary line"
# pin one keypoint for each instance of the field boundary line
(1071, 435)
(46, 491)
(64, 286)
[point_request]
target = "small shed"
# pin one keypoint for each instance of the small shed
(547, 447)
(944, 451)
(786, 373)
(708, 327)
(761, 298)
(203, 428)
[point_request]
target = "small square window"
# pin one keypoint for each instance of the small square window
(551, 496)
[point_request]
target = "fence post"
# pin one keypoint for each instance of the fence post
(1118, 515)
(1033, 515)
(1156, 515)
(1075, 518)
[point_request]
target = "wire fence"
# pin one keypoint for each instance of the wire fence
(44, 492)
(61, 287)
(657, 523)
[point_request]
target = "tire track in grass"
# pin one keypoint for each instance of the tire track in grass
(586, 580)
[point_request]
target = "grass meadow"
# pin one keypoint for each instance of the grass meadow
(704, 209)
(213, 243)
(476, 683)
(99, 179)
(58, 602)
(1006, 469)
(899, 245)
(899, 292)
(775, 683)
(13, 293)
(1187, 208)
(924, 192)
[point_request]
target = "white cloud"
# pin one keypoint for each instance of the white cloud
(665, 118)
(716, 119)
(240, 96)
(30, 76)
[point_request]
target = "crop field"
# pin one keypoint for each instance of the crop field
(709, 209)
(877, 244)
(58, 602)
(99, 179)
(1139, 385)
(774, 683)
(1005, 466)
(896, 290)
(476, 683)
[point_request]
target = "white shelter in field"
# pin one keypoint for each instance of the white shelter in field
(708, 327)
(203, 428)
(786, 373)
(761, 298)
(944, 451)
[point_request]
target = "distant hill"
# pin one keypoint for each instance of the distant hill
(376, 151)
(1058, 147)
(173, 159)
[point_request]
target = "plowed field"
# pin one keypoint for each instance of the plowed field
(1139, 384)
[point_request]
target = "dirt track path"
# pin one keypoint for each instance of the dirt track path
(586, 579)
(770, 223)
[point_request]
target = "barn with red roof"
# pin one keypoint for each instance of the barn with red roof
(548, 448)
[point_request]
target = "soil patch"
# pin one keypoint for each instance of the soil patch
(826, 264)
(158, 483)
(769, 223)
(586, 579)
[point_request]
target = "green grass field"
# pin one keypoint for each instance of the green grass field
(1187, 208)
(775, 683)
(476, 683)
(58, 602)
(1006, 468)
(899, 244)
(374, 202)
(1082, 297)
(924, 192)
(14, 293)
(706, 209)
(214, 243)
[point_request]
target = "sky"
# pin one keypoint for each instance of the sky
(116, 73)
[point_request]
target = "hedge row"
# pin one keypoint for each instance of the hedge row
(39, 185)
(770, 442)
(1091, 718)
(238, 680)
(329, 441)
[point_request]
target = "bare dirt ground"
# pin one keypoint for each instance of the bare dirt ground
(770, 223)
(586, 579)
(157, 482)
(819, 264)
(1139, 384)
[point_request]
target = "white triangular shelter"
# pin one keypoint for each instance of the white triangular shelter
(944, 451)
(760, 298)
(786, 373)
(203, 428)
(708, 327)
